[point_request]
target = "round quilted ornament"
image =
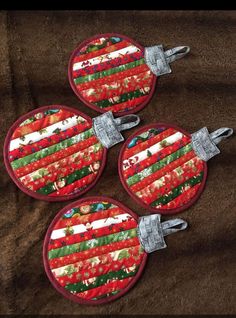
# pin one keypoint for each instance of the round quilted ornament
(52, 154)
(160, 170)
(108, 72)
(91, 252)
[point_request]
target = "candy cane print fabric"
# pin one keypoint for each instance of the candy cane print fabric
(91, 251)
(52, 153)
(160, 170)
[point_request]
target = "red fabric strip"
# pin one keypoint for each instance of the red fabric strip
(87, 218)
(108, 49)
(95, 271)
(162, 172)
(96, 251)
(106, 92)
(90, 234)
(152, 193)
(127, 105)
(63, 153)
(105, 289)
(155, 157)
(113, 78)
(108, 64)
(63, 171)
(47, 142)
(183, 198)
(41, 123)
(142, 145)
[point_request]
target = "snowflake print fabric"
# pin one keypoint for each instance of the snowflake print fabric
(159, 168)
(53, 154)
(109, 73)
(92, 252)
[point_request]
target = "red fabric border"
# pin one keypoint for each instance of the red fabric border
(98, 109)
(161, 211)
(53, 281)
(11, 172)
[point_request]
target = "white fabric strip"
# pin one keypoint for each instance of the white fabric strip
(40, 173)
(81, 228)
(61, 271)
(45, 132)
(106, 57)
(160, 182)
(127, 163)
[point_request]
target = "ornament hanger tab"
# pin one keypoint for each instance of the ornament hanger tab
(158, 60)
(151, 231)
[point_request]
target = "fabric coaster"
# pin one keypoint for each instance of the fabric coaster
(96, 248)
(164, 168)
(57, 153)
(113, 72)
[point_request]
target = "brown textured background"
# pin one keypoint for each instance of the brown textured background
(196, 273)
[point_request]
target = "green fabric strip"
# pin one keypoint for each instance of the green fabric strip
(95, 207)
(158, 165)
(85, 245)
(178, 190)
(78, 174)
(44, 171)
(122, 98)
(52, 149)
(108, 72)
(100, 280)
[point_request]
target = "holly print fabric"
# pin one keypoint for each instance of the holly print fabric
(53, 154)
(159, 168)
(92, 251)
(109, 73)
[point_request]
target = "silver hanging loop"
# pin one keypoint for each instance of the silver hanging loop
(107, 128)
(151, 231)
(204, 143)
(158, 60)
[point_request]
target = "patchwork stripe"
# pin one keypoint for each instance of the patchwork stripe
(97, 224)
(103, 259)
(41, 123)
(106, 57)
(76, 160)
(161, 166)
(61, 158)
(79, 218)
(171, 180)
(110, 289)
(178, 190)
(161, 169)
(98, 270)
(70, 237)
(23, 151)
(45, 132)
(108, 49)
(151, 150)
(113, 78)
(96, 255)
(108, 73)
(96, 94)
(101, 280)
(123, 97)
(154, 158)
(55, 156)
